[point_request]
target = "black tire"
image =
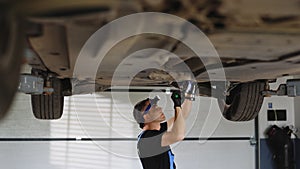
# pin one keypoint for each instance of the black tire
(244, 101)
(48, 107)
(11, 48)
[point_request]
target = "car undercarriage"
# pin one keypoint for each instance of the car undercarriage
(256, 42)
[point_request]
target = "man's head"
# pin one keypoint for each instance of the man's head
(147, 111)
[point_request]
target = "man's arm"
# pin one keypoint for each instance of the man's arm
(177, 132)
(189, 88)
(186, 109)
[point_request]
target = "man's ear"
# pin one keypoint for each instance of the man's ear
(146, 118)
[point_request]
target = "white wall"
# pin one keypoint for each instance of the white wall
(297, 114)
(292, 107)
(278, 102)
(99, 116)
(290, 104)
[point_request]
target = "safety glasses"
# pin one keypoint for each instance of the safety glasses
(152, 102)
(147, 109)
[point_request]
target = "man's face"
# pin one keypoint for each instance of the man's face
(154, 114)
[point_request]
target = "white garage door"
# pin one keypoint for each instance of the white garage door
(98, 131)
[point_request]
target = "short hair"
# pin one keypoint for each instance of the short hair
(138, 110)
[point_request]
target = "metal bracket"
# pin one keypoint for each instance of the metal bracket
(31, 84)
(291, 89)
(253, 141)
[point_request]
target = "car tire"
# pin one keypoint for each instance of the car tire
(49, 106)
(11, 50)
(244, 101)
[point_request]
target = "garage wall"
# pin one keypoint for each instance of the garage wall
(283, 103)
(98, 131)
(278, 103)
(297, 114)
(291, 105)
(297, 125)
